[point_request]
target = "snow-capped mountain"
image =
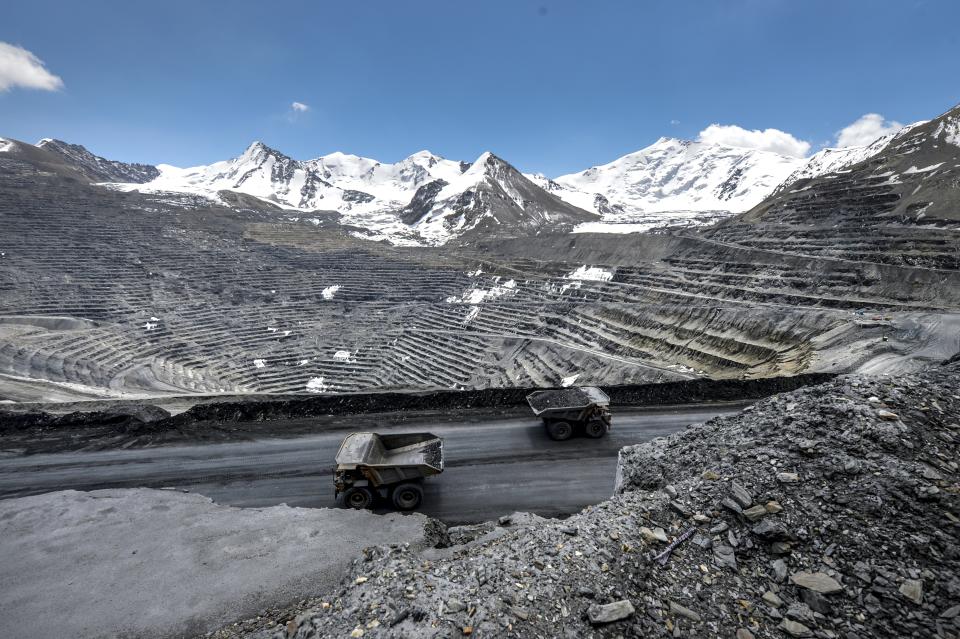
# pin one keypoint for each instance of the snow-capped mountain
(394, 183)
(677, 175)
(490, 197)
(338, 181)
(97, 168)
(425, 198)
(679, 182)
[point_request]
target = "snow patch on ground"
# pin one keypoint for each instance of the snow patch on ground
(925, 169)
(950, 130)
(593, 273)
(259, 363)
(330, 291)
(478, 295)
(569, 381)
(171, 564)
(5, 145)
(342, 356)
(317, 385)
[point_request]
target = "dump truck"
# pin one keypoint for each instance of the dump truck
(566, 411)
(390, 467)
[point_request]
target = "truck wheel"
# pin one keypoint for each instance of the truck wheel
(407, 496)
(595, 429)
(358, 497)
(559, 431)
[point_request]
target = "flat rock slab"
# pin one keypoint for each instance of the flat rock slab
(608, 613)
(816, 581)
(157, 563)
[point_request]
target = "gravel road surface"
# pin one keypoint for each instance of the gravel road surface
(492, 468)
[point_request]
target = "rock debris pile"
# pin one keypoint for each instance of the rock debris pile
(829, 512)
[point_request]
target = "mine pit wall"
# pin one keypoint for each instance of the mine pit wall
(882, 284)
(228, 288)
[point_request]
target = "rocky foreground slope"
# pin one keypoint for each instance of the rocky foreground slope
(828, 512)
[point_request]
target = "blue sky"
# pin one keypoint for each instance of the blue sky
(551, 86)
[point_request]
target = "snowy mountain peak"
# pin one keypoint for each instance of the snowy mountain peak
(490, 197)
(424, 157)
(260, 151)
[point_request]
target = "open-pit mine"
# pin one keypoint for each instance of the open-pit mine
(183, 352)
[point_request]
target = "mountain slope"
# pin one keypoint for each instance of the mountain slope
(900, 206)
(829, 160)
(96, 168)
(489, 198)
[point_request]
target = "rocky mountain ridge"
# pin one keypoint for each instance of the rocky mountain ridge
(425, 198)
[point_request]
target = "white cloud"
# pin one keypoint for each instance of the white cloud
(865, 130)
(300, 107)
(674, 122)
(767, 140)
(20, 68)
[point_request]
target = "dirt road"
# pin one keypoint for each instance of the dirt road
(492, 468)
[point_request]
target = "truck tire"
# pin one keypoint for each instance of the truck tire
(358, 497)
(559, 430)
(407, 496)
(595, 429)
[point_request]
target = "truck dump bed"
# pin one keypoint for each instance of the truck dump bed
(389, 458)
(564, 400)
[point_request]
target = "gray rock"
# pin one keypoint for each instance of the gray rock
(800, 612)
(772, 599)
(912, 589)
(608, 613)
(740, 494)
(683, 611)
(702, 541)
(817, 581)
(743, 633)
(724, 556)
(779, 570)
(657, 534)
(816, 601)
(754, 513)
(730, 504)
(951, 612)
(795, 628)
(788, 478)
(770, 530)
(454, 605)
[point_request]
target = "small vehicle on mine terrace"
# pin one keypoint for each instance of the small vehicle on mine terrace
(566, 411)
(389, 467)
